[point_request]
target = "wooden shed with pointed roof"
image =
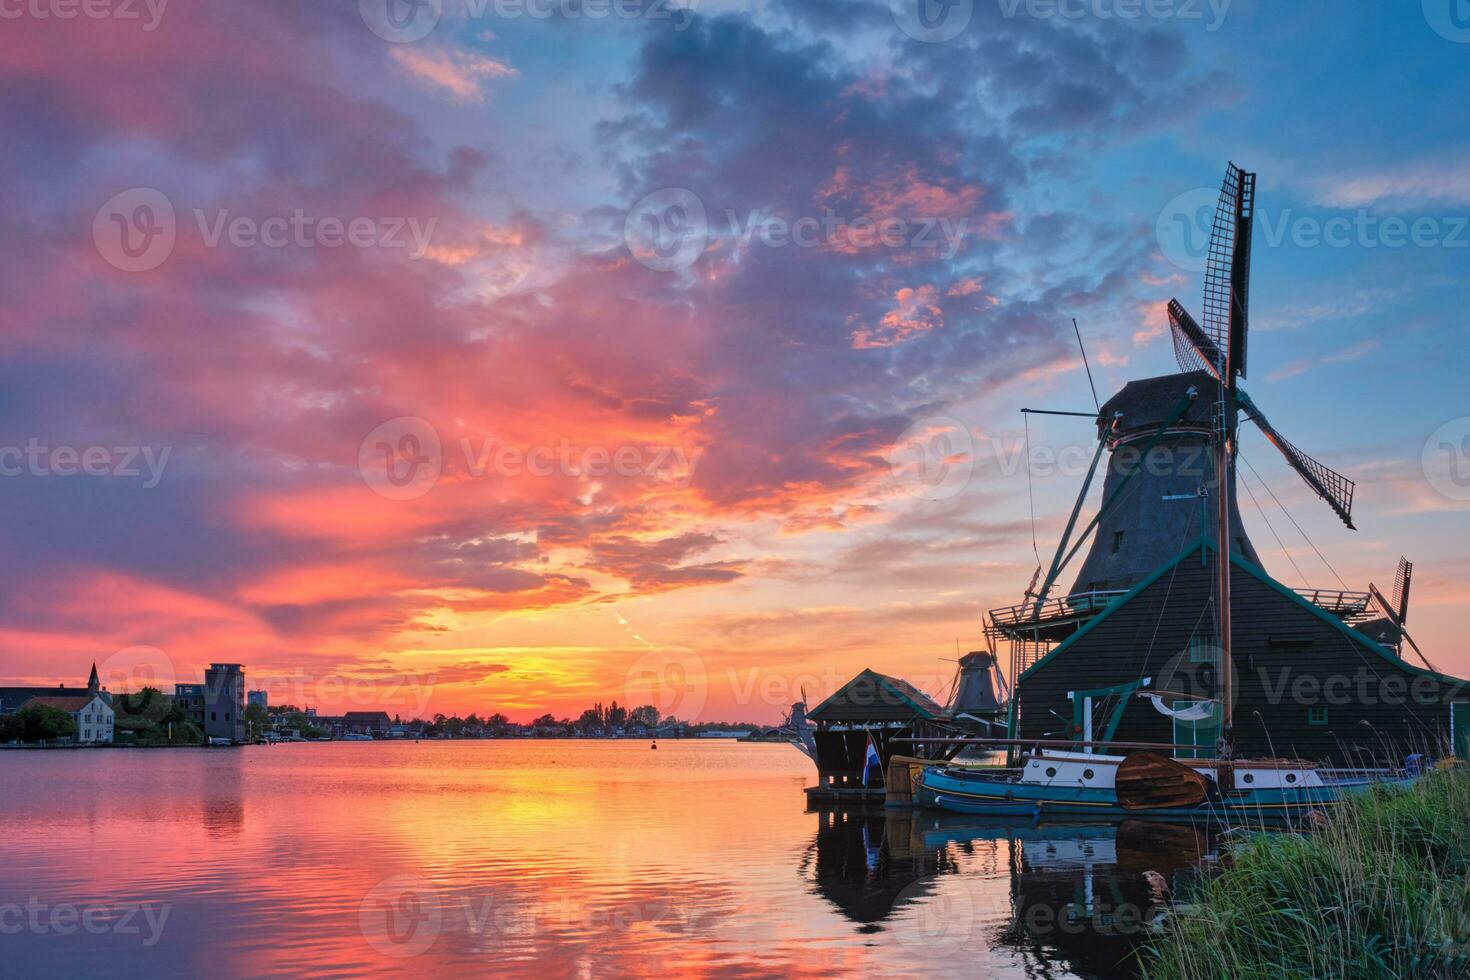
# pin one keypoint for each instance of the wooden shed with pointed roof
(872, 699)
(870, 706)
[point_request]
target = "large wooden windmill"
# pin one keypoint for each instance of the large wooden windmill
(1172, 447)
(1171, 607)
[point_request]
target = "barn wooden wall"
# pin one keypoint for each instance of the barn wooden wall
(1276, 638)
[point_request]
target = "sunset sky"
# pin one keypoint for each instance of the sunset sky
(687, 464)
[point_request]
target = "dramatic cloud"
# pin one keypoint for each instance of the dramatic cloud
(313, 267)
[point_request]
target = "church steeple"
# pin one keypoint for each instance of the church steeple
(93, 684)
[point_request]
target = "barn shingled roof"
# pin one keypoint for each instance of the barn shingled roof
(871, 696)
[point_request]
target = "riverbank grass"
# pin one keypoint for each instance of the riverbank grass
(1382, 891)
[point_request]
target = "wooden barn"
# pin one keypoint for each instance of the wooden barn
(1306, 684)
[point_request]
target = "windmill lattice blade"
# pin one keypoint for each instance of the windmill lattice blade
(1193, 348)
(1401, 583)
(1227, 269)
(1329, 484)
(1392, 610)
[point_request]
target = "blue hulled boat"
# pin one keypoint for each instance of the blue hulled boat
(1088, 785)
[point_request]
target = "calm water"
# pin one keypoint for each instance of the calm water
(539, 859)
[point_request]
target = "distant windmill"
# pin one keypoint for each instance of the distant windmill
(1219, 347)
(1394, 625)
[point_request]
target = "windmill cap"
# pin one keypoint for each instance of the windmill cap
(1146, 404)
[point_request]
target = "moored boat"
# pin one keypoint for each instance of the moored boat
(1052, 783)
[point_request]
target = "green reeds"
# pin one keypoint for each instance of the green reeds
(1383, 890)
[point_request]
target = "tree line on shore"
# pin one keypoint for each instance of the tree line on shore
(598, 720)
(150, 717)
(36, 723)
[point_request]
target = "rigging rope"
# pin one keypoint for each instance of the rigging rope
(1301, 577)
(1293, 520)
(1031, 489)
(1164, 608)
(1357, 650)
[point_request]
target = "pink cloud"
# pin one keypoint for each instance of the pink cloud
(1153, 317)
(1410, 183)
(1355, 352)
(916, 311)
(461, 75)
(264, 369)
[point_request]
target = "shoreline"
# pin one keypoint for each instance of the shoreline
(394, 741)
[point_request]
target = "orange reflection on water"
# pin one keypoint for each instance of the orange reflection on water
(556, 858)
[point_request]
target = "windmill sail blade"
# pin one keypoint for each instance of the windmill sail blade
(1330, 485)
(1193, 348)
(1228, 268)
(1401, 583)
(1394, 612)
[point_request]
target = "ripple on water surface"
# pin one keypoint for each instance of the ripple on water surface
(539, 859)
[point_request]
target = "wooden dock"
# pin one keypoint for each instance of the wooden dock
(846, 794)
(896, 789)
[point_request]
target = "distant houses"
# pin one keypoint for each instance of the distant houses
(378, 724)
(93, 715)
(90, 707)
(217, 706)
(368, 722)
(215, 712)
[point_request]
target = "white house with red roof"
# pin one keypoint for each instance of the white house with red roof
(93, 715)
(91, 706)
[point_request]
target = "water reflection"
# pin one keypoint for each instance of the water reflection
(531, 859)
(222, 810)
(865, 863)
(1076, 898)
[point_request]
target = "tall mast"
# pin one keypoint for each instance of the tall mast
(1227, 317)
(1224, 451)
(1229, 281)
